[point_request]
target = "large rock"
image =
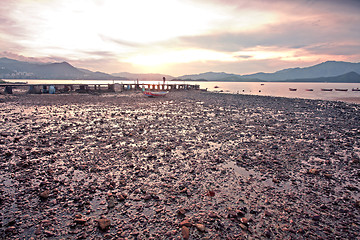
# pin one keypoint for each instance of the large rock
(104, 223)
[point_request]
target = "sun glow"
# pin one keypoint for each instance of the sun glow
(116, 26)
(180, 56)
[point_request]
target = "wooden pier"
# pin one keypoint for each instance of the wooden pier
(89, 88)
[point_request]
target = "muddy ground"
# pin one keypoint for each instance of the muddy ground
(192, 165)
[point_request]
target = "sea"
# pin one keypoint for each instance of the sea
(277, 89)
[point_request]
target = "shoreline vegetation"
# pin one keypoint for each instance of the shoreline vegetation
(191, 165)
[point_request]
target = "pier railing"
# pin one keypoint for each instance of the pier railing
(84, 88)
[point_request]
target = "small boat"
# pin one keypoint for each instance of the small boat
(309, 89)
(216, 87)
(262, 84)
(356, 89)
(326, 89)
(150, 93)
(292, 89)
(341, 89)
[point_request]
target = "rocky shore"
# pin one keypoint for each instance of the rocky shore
(192, 165)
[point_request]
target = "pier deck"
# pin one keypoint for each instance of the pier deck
(83, 88)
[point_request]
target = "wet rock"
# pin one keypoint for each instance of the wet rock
(79, 219)
(111, 202)
(267, 213)
(49, 233)
(200, 227)
(186, 223)
(185, 232)
(10, 229)
(314, 171)
(232, 214)
(44, 194)
(104, 224)
(328, 175)
(210, 193)
(181, 211)
(243, 226)
(213, 214)
(147, 197)
(244, 220)
(121, 197)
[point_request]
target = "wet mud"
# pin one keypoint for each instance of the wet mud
(192, 165)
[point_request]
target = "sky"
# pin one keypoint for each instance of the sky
(179, 37)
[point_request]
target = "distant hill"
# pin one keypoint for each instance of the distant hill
(13, 69)
(351, 77)
(330, 71)
(210, 76)
(322, 70)
(143, 76)
(325, 69)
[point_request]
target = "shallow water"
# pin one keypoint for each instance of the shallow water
(276, 89)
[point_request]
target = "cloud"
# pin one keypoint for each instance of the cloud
(119, 41)
(293, 35)
(348, 49)
(10, 26)
(19, 57)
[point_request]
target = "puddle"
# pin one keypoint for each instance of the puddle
(240, 171)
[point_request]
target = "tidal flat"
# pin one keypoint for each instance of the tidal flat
(191, 165)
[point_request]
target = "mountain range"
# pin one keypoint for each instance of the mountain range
(13, 69)
(334, 70)
(330, 71)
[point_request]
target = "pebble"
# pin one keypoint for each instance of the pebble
(185, 223)
(244, 220)
(185, 232)
(104, 223)
(44, 194)
(200, 227)
(314, 171)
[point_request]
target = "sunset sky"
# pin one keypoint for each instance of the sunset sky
(180, 37)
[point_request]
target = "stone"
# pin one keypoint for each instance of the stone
(210, 193)
(200, 227)
(213, 215)
(267, 213)
(44, 194)
(314, 171)
(49, 233)
(185, 223)
(10, 229)
(80, 220)
(328, 175)
(121, 197)
(185, 232)
(104, 223)
(244, 220)
(111, 202)
(243, 227)
(181, 211)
